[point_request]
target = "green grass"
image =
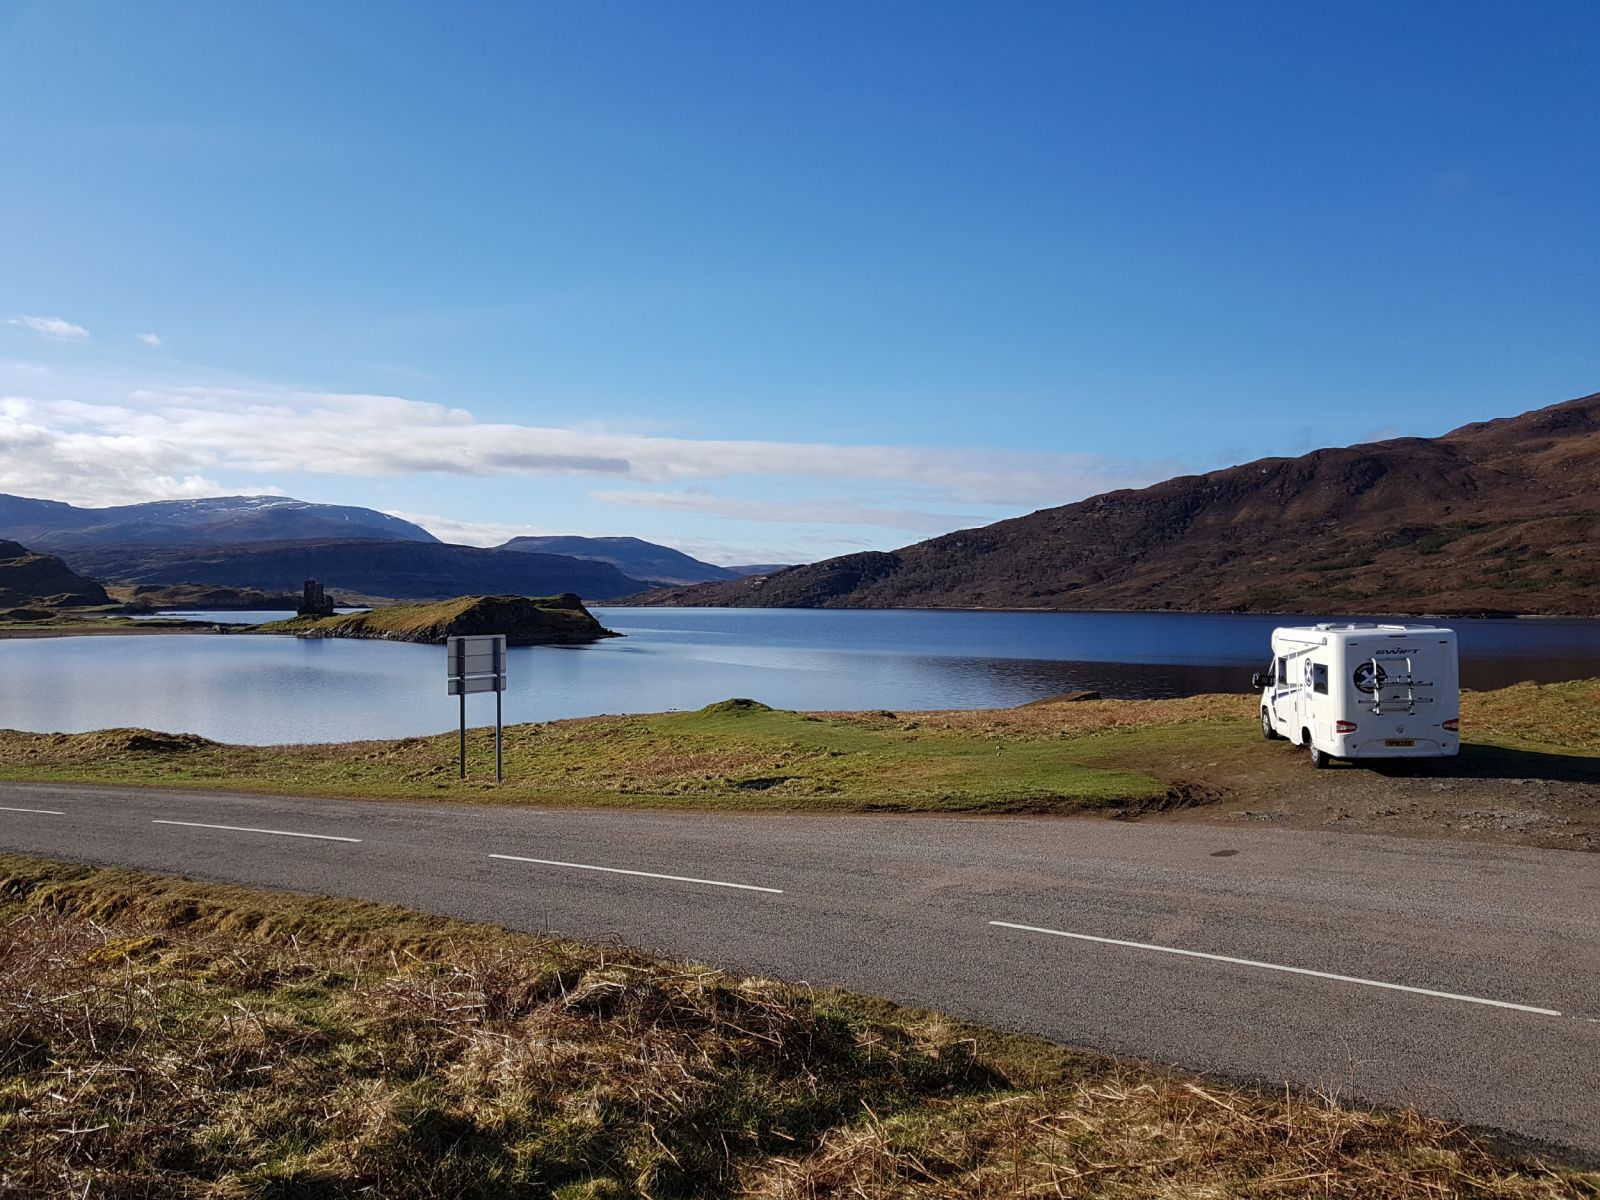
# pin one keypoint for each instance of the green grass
(162, 1037)
(82, 621)
(739, 756)
(1061, 757)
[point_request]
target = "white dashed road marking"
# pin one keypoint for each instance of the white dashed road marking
(1266, 966)
(550, 862)
(321, 837)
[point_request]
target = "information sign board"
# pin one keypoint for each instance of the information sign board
(477, 663)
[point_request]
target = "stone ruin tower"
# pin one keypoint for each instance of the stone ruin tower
(314, 601)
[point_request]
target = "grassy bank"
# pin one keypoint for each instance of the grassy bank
(160, 1037)
(1048, 757)
(735, 754)
(31, 622)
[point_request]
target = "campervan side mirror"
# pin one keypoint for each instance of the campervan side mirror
(1258, 681)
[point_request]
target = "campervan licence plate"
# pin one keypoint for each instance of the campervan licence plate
(1399, 741)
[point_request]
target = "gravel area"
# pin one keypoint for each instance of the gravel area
(1487, 794)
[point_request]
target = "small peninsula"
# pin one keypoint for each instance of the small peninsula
(525, 620)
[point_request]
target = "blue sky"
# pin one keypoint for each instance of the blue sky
(775, 281)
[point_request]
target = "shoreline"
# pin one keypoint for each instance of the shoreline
(65, 631)
(1138, 612)
(93, 628)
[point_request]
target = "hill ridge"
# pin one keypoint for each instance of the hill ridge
(372, 568)
(1494, 516)
(58, 527)
(27, 578)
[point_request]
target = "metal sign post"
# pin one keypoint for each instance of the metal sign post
(477, 663)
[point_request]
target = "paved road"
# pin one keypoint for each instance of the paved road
(1459, 978)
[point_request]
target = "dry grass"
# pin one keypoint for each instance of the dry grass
(164, 1038)
(1130, 1134)
(1554, 715)
(1049, 719)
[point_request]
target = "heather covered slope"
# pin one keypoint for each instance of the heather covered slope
(1500, 516)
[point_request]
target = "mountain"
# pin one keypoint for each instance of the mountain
(759, 568)
(1498, 516)
(392, 569)
(216, 520)
(631, 556)
(27, 578)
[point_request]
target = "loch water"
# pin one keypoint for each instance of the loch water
(261, 690)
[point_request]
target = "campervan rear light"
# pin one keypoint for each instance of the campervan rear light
(1344, 726)
(1453, 724)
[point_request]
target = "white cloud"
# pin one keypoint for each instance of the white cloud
(799, 512)
(711, 550)
(40, 457)
(94, 441)
(725, 554)
(476, 533)
(149, 339)
(54, 327)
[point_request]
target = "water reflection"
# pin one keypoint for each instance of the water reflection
(261, 690)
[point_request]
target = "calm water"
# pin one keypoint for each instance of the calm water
(242, 688)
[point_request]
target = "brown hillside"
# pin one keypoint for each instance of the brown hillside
(1499, 516)
(39, 579)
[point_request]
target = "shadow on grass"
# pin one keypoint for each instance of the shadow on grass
(1495, 762)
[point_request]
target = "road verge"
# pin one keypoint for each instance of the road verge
(164, 1036)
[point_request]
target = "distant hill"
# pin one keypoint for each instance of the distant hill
(631, 556)
(217, 520)
(393, 569)
(1498, 516)
(40, 580)
(759, 568)
(155, 597)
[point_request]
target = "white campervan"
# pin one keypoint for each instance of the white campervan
(1363, 691)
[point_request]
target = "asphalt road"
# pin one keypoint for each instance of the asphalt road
(1462, 979)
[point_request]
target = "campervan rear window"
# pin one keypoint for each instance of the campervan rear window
(1319, 678)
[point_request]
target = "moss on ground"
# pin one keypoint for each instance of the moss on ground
(162, 1037)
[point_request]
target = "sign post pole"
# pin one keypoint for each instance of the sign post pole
(477, 663)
